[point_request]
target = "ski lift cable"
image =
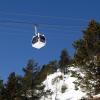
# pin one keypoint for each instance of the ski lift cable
(42, 16)
(42, 27)
(23, 32)
(40, 24)
(67, 29)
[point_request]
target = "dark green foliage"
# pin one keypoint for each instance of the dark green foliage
(54, 65)
(46, 70)
(12, 89)
(64, 60)
(1, 84)
(31, 69)
(4, 94)
(28, 81)
(81, 54)
(63, 89)
(1, 88)
(87, 56)
(42, 75)
(89, 46)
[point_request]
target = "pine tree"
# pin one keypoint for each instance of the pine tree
(50, 68)
(88, 56)
(1, 87)
(54, 65)
(30, 72)
(4, 94)
(89, 46)
(11, 90)
(64, 60)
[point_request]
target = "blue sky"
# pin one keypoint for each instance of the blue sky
(66, 17)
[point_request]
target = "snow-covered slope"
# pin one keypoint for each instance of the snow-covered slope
(61, 87)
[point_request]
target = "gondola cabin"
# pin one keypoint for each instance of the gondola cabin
(38, 41)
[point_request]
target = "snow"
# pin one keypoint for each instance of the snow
(77, 70)
(97, 96)
(55, 82)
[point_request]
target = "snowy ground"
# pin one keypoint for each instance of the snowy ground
(61, 87)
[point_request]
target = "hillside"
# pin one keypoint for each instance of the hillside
(62, 87)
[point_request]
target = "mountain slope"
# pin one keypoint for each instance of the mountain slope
(62, 87)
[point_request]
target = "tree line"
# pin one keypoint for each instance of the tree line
(24, 87)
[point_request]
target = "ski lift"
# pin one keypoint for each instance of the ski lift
(39, 40)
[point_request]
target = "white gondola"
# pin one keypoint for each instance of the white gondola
(39, 40)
